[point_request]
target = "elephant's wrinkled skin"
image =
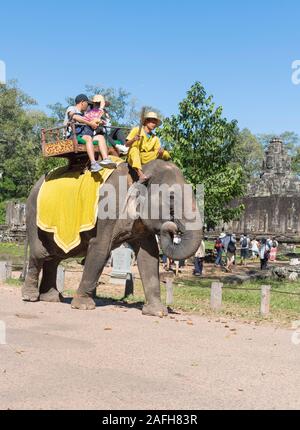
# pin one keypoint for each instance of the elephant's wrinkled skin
(97, 244)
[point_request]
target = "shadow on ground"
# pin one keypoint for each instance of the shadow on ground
(109, 301)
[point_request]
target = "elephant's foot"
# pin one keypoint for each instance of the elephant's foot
(155, 310)
(52, 296)
(30, 294)
(83, 303)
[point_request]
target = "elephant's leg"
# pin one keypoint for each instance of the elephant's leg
(30, 289)
(97, 255)
(148, 264)
(48, 289)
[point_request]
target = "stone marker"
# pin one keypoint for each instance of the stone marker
(5, 270)
(265, 300)
(169, 289)
(216, 296)
(8, 269)
(60, 278)
(121, 261)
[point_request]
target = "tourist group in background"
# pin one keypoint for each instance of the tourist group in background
(226, 247)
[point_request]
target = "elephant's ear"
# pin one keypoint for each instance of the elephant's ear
(136, 202)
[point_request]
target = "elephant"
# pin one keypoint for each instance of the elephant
(96, 245)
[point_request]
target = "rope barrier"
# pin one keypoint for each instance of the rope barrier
(239, 289)
(224, 288)
(286, 292)
(203, 286)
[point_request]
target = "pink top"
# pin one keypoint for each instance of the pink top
(94, 114)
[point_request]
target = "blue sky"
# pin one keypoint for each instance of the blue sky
(241, 51)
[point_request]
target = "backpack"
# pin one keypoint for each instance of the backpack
(231, 247)
(245, 243)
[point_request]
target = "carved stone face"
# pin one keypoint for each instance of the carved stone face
(270, 162)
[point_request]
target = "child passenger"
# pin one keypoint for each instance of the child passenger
(95, 115)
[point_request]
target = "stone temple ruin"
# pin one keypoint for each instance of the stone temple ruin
(14, 229)
(272, 204)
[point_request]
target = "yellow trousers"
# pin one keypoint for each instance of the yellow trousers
(137, 158)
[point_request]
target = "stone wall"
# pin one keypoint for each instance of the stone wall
(269, 216)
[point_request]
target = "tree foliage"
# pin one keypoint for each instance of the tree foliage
(19, 141)
(249, 153)
(203, 145)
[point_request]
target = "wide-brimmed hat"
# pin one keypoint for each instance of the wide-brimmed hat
(222, 235)
(152, 115)
(98, 98)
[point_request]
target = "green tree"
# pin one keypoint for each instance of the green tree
(249, 153)
(20, 147)
(58, 111)
(12, 118)
(203, 145)
(16, 133)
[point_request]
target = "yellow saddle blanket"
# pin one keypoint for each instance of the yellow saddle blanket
(67, 203)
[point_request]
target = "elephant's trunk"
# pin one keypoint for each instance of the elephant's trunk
(190, 241)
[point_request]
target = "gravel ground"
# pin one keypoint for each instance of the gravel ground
(115, 358)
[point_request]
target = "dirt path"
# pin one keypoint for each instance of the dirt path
(114, 358)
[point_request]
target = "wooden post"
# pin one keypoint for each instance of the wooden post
(169, 289)
(60, 278)
(216, 296)
(265, 300)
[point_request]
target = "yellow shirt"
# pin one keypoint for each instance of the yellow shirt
(147, 143)
(144, 150)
